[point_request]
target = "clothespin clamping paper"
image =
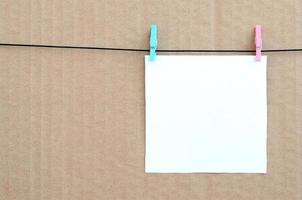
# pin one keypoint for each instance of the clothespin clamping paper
(258, 42)
(153, 42)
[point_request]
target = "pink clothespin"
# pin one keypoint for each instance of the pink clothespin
(258, 42)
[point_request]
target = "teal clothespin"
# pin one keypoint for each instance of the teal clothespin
(153, 42)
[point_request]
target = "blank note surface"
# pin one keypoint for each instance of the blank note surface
(206, 114)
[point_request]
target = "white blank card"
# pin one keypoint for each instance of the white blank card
(206, 114)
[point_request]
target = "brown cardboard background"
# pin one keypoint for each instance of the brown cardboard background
(72, 121)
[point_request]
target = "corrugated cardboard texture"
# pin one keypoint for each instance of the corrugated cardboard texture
(72, 121)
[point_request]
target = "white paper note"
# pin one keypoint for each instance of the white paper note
(206, 114)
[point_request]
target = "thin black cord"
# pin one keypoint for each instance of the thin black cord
(146, 50)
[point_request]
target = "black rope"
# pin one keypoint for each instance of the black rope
(147, 50)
